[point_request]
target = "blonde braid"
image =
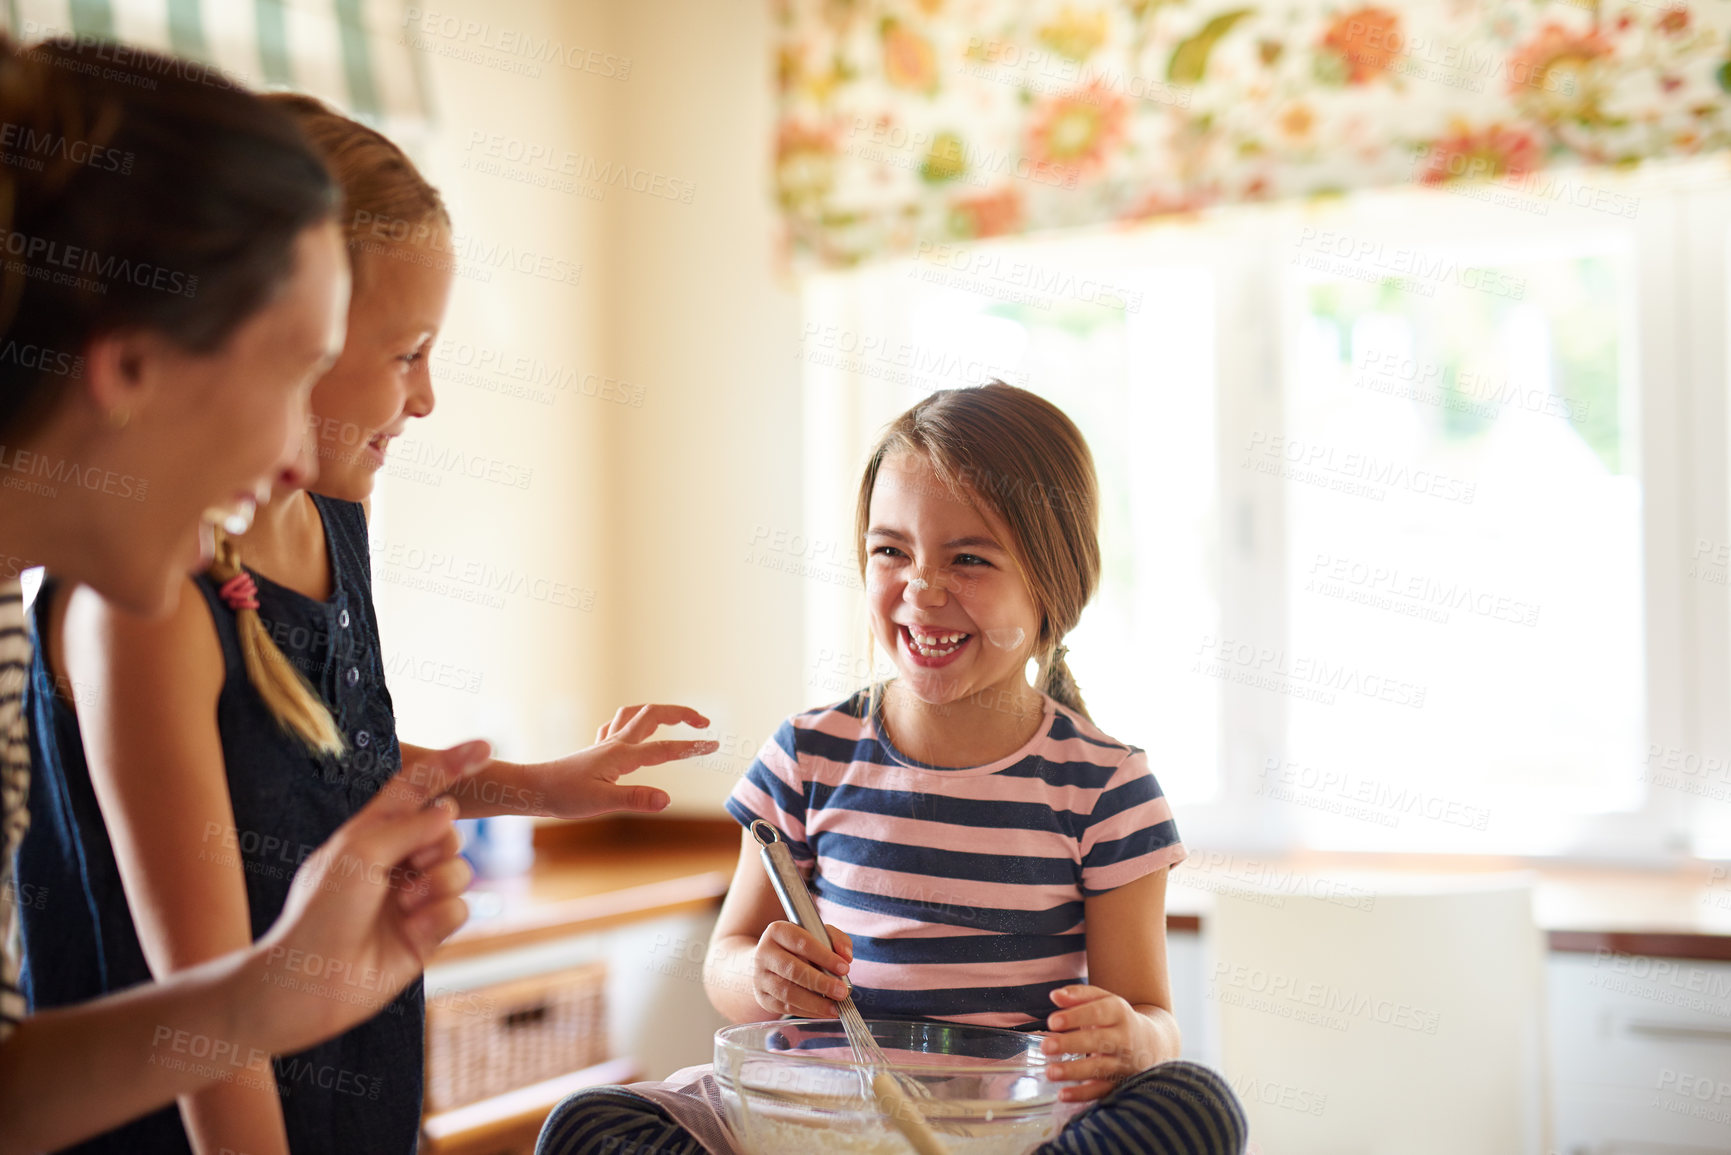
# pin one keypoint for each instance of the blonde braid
(287, 694)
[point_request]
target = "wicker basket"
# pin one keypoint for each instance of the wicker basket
(489, 1040)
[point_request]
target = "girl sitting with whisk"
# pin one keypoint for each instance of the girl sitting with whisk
(980, 852)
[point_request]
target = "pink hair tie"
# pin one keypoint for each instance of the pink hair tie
(239, 592)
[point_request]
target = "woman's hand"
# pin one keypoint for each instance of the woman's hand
(586, 783)
(367, 909)
(793, 973)
(1109, 1038)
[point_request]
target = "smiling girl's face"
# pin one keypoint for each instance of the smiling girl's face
(945, 594)
(382, 378)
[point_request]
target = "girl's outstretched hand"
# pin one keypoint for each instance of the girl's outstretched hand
(792, 973)
(367, 909)
(1105, 1038)
(586, 783)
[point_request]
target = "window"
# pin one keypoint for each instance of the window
(1401, 496)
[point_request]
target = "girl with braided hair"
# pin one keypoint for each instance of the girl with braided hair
(172, 282)
(985, 853)
(225, 739)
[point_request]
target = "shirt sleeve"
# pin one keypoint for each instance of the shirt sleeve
(1130, 832)
(774, 791)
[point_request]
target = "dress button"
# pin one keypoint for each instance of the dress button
(352, 676)
(343, 619)
(362, 738)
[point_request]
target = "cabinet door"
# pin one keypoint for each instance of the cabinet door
(1641, 1054)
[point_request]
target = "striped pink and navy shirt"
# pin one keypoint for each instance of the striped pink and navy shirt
(962, 889)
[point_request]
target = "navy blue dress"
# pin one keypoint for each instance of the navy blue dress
(358, 1092)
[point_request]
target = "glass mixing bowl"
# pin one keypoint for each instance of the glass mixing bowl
(793, 1088)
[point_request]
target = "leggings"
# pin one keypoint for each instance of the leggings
(1177, 1108)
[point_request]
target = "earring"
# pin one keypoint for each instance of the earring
(117, 419)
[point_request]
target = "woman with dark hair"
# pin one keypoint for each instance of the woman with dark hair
(260, 706)
(172, 282)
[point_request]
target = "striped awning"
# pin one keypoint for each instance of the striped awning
(354, 54)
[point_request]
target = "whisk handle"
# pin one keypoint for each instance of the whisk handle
(789, 884)
(790, 888)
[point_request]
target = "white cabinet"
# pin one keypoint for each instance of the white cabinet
(1640, 1049)
(1640, 1054)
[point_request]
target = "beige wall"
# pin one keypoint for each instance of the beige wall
(643, 511)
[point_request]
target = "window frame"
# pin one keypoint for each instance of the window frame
(1681, 313)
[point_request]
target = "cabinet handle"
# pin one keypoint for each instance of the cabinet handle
(526, 1017)
(1662, 1030)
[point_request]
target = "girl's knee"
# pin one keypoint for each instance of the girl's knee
(1193, 1104)
(1182, 1075)
(1176, 1108)
(606, 1121)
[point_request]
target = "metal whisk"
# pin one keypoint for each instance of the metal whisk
(892, 1089)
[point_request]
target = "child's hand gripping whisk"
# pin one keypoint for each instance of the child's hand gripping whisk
(891, 1089)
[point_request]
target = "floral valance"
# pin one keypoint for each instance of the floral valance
(910, 121)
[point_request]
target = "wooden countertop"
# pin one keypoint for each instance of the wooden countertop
(1683, 912)
(592, 875)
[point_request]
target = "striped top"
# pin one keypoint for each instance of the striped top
(14, 792)
(962, 889)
